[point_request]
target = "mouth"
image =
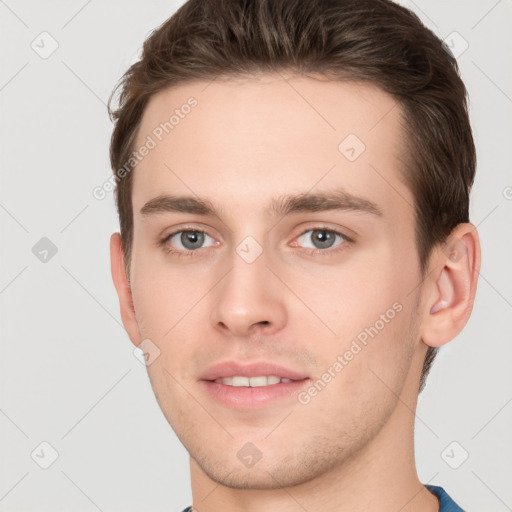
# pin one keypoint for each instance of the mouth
(252, 386)
(238, 381)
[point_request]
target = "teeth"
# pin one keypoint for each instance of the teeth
(256, 382)
(253, 382)
(240, 381)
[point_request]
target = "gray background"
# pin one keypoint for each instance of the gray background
(68, 373)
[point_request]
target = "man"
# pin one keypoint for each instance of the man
(293, 184)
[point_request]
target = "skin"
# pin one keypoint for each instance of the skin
(246, 142)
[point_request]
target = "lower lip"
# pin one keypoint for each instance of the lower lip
(244, 397)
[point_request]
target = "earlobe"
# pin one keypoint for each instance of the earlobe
(123, 289)
(451, 290)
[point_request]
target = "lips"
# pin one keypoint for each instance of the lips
(230, 369)
(252, 386)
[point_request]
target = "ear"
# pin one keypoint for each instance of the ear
(123, 289)
(451, 286)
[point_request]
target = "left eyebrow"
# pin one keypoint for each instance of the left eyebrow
(281, 206)
(323, 201)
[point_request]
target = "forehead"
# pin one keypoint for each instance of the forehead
(269, 131)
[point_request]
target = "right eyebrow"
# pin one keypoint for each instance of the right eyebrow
(185, 204)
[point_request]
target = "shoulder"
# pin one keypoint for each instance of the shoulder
(446, 504)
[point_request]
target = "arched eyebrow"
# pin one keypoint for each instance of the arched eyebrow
(279, 207)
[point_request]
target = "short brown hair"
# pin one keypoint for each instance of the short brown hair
(376, 41)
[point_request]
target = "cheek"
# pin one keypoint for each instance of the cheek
(162, 297)
(384, 349)
(351, 298)
(369, 375)
(370, 312)
(170, 306)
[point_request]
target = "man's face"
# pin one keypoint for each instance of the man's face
(330, 295)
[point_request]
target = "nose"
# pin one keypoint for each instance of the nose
(249, 298)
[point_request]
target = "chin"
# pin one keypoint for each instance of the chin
(255, 478)
(272, 471)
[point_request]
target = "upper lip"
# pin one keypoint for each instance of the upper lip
(253, 369)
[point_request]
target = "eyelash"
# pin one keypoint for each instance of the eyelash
(312, 252)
